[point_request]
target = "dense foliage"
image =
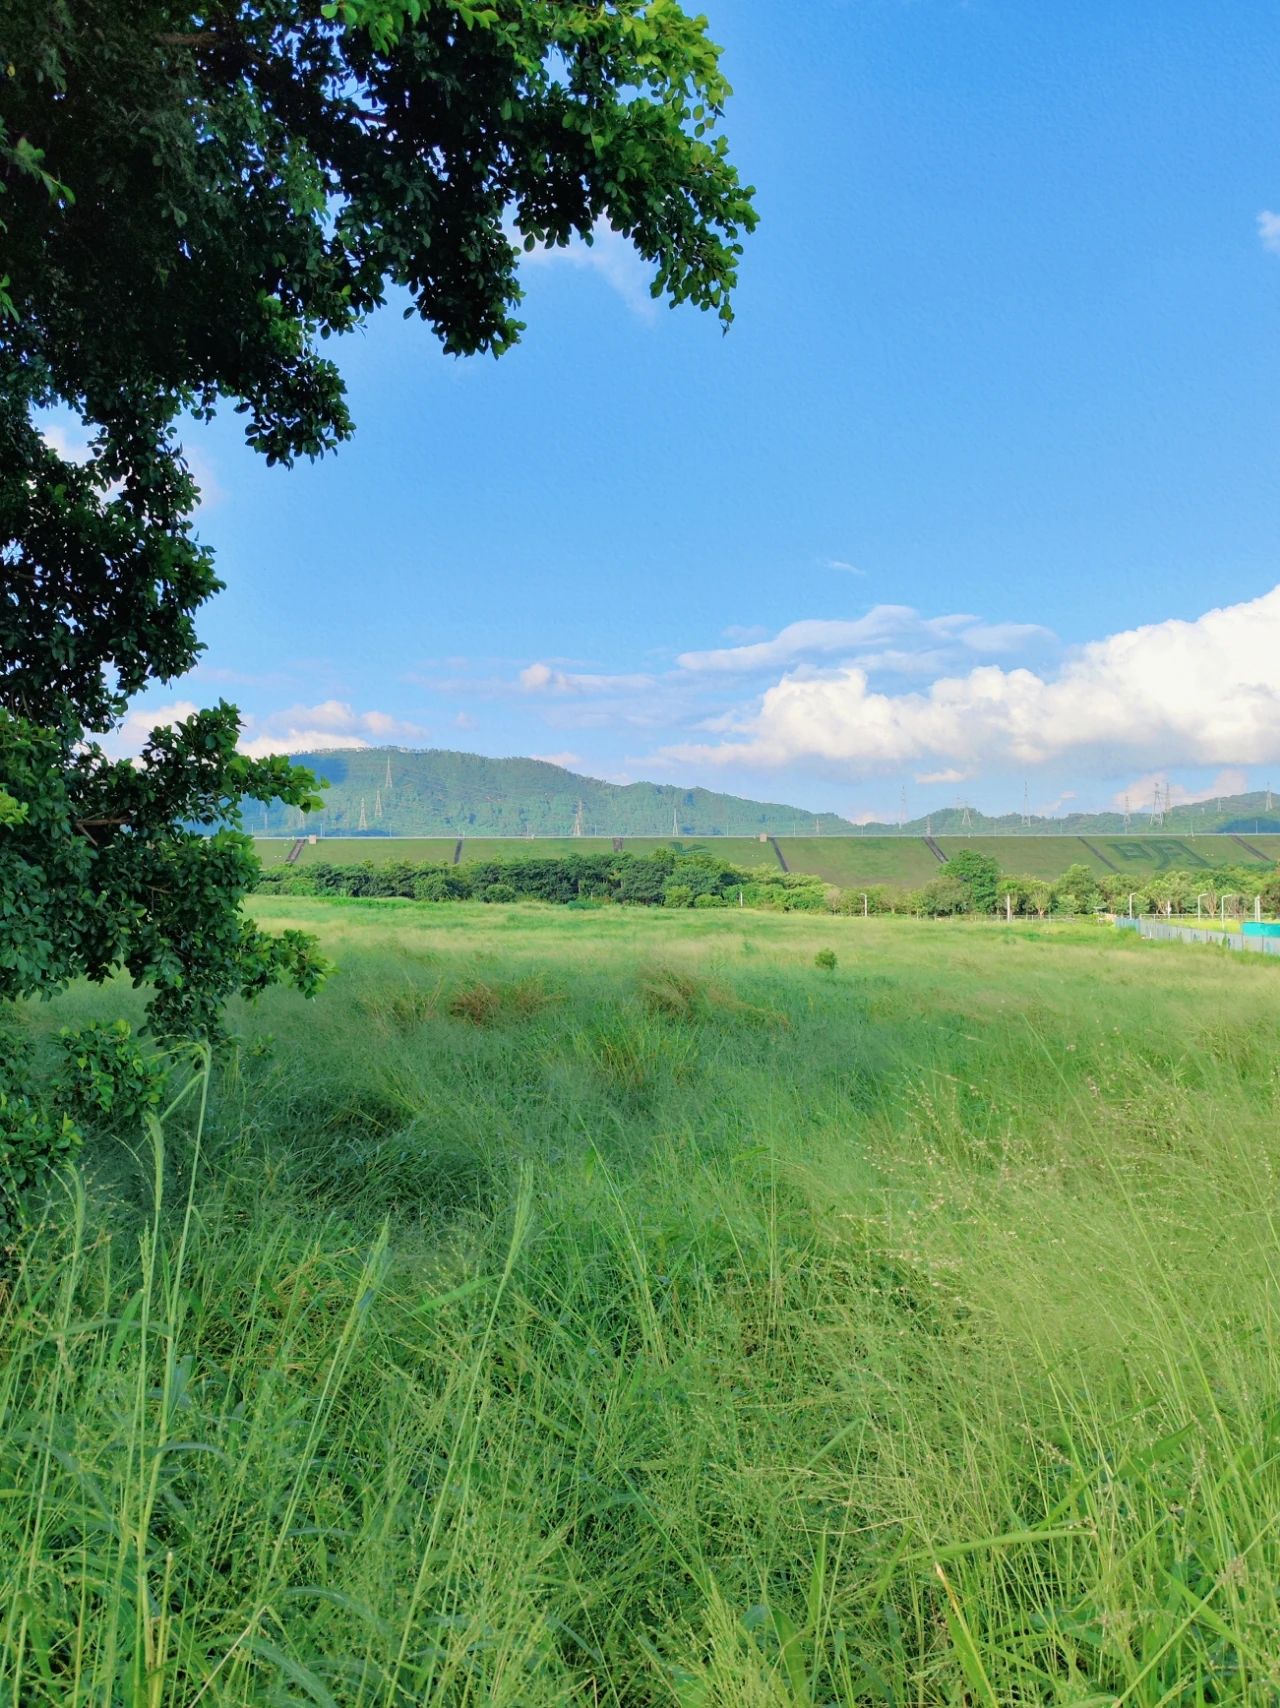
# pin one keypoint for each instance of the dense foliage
(191, 201)
(663, 878)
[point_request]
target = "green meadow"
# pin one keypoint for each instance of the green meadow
(618, 1307)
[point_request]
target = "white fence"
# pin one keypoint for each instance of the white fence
(1157, 929)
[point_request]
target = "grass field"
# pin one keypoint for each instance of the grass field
(848, 861)
(618, 1309)
(350, 850)
(851, 861)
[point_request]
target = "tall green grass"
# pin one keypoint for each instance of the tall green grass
(616, 1309)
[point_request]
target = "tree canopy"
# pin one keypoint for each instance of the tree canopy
(192, 201)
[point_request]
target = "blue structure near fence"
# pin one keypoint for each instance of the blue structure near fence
(1259, 935)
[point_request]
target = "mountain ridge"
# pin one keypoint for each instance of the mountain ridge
(405, 791)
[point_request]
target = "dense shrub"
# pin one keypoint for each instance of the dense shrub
(104, 1075)
(942, 897)
(36, 1136)
(980, 875)
(441, 883)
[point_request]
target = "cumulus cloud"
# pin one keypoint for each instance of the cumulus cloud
(1201, 692)
(1269, 230)
(331, 724)
(133, 732)
(609, 254)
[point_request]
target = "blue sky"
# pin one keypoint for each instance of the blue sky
(981, 487)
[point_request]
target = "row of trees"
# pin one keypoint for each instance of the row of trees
(664, 878)
(971, 883)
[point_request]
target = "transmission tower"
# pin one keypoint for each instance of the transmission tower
(364, 822)
(1268, 797)
(1127, 815)
(902, 807)
(386, 783)
(377, 803)
(1026, 804)
(966, 818)
(577, 821)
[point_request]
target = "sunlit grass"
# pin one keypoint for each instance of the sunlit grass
(577, 1308)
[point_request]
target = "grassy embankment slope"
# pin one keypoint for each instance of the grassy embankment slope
(845, 860)
(616, 1308)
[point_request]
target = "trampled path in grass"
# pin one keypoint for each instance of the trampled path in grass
(617, 1308)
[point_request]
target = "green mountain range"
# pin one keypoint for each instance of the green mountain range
(396, 791)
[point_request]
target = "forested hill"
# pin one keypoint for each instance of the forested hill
(1234, 815)
(395, 791)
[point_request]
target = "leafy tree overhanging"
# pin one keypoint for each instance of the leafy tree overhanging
(191, 202)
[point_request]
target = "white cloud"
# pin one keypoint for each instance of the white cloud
(1141, 791)
(70, 440)
(463, 720)
(1269, 231)
(839, 563)
(332, 723)
(131, 736)
(897, 625)
(612, 256)
(543, 679)
(566, 760)
(297, 741)
(950, 775)
(66, 434)
(744, 632)
(1202, 692)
